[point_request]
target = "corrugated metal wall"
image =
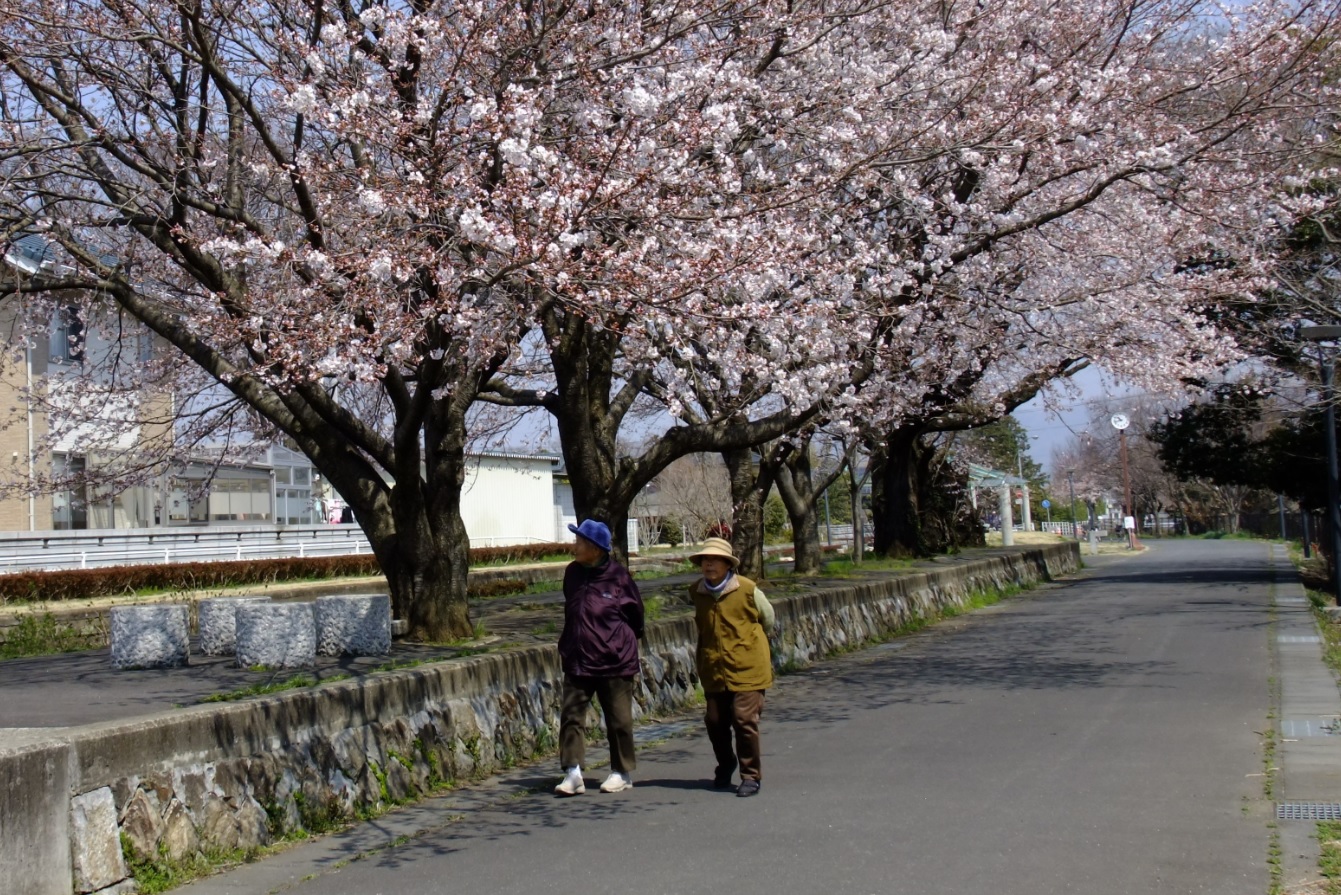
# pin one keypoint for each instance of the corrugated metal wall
(509, 500)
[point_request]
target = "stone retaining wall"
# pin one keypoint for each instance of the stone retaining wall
(220, 778)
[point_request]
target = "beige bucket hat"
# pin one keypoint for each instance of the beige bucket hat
(716, 547)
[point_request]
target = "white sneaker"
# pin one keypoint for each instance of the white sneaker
(573, 784)
(617, 782)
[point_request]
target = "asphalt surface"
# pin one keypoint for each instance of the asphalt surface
(1101, 735)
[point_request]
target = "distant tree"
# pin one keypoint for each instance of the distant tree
(1236, 442)
(775, 518)
(694, 492)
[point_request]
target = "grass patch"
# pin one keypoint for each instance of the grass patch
(652, 574)
(548, 557)
(398, 665)
(841, 567)
(273, 686)
(1329, 860)
(160, 873)
(41, 635)
(1331, 634)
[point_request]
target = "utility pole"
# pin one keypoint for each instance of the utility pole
(1071, 486)
(1120, 422)
(1126, 486)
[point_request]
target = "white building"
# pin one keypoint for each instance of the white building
(511, 499)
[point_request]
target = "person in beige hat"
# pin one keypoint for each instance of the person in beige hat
(734, 662)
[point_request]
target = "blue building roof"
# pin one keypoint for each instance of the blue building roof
(32, 253)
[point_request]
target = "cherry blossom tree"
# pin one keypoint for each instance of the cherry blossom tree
(1096, 181)
(755, 215)
(1008, 193)
(307, 200)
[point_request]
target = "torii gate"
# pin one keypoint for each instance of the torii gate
(982, 477)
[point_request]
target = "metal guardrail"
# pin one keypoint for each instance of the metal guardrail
(56, 550)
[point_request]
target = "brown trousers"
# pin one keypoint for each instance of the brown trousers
(615, 695)
(738, 712)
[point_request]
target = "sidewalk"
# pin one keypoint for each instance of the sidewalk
(1308, 757)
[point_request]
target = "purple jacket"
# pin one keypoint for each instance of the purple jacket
(602, 621)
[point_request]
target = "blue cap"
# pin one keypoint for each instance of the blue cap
(596, 532)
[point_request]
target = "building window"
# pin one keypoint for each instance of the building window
(239, 499)
(67, 337)
(69, 508)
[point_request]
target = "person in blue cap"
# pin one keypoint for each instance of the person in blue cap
(602, 624)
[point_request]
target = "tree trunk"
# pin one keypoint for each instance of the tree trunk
(894, 495)
(599, 492)
(809, 555)
(427, 570)
(588, 411)
(414, 525)
(797, 489)
(749, 484)
(854, 495)
(583, 368)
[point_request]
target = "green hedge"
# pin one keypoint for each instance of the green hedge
(77, 584)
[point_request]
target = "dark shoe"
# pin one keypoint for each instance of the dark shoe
(747, 788)
(721, 777)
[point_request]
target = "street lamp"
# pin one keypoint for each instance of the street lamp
(1329, 334)
(1121, 422)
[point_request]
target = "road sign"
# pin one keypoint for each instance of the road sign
(1046, 504)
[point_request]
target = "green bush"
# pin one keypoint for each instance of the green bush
(777, 524)
(36, 635)
(672, 533)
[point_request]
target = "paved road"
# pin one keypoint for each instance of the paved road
(1100, 736)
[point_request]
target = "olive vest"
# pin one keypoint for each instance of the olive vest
(732, 644)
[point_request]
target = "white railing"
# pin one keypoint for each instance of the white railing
(54, 550)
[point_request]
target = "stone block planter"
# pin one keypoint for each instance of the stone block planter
(150, 636)
(276, 635)
(218, 624)
(354, 625)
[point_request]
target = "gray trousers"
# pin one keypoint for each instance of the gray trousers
(615, 694)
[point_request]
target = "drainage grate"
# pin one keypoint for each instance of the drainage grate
(1292, 601)
(1308, 811)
